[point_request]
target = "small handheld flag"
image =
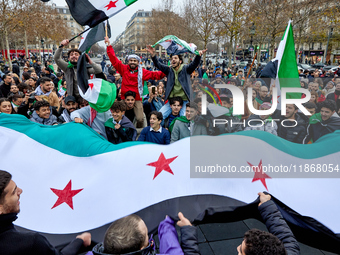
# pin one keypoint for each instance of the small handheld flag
(176, 46)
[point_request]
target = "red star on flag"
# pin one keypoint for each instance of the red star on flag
(65, 195)
(162, 164)
(111, 5)
(259, 174)
(91, 85)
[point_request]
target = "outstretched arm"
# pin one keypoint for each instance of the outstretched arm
(189, 237)
(118, 65)
(164, 68)
(277, 225)
(194, 64)
(57, 56)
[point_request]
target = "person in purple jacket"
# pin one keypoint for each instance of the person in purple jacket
(129, 235)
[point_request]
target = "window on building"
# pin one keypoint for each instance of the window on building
(137, 20)
(144, 20)
(143, 14)
(65, 17)
(64, 11)
(71, 24)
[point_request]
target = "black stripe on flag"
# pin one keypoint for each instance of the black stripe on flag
(85, 13)
(205, 209)
(82, 76)
(95, 34)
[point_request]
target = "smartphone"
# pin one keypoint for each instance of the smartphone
(153, 89)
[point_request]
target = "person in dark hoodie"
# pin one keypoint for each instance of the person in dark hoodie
(43, 114)
(294, 126)
(119, 128)
(325, 122)
(129, 235)
(5, 86)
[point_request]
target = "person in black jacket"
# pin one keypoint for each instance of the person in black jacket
(293, 128)
(13, 242)
(260, 242)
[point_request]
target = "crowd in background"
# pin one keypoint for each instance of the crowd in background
(42, 93)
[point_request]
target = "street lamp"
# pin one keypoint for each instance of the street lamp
(252, 33)
(42, 45)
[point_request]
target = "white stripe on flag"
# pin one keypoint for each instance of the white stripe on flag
(120, 182)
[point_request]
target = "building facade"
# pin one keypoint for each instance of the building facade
(134, 32)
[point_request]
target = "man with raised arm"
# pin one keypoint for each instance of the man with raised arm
(70, 68)
(178, 78)
(133, 77)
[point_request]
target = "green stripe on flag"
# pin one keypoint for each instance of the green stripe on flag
(106, 98)
(129, 2)
(287, 71)
(64, 137)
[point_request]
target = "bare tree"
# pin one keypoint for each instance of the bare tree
(202, 19)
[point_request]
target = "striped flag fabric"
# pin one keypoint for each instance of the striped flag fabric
(283, 68)
(94, 35)
(75, 164)
(93, 12)
(100, 93)
(176, 46)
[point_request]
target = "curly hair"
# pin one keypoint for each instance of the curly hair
(264, 243)
(40, 104)
(329, 104)
(119, 106)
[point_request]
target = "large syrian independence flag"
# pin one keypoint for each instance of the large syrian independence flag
(100, 93)
(92, 12)
(176, 46)
(94, 35)
(283, 68)
(77, 181)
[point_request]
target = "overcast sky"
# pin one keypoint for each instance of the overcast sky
(118, 22)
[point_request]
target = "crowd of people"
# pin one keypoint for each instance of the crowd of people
(161, 100)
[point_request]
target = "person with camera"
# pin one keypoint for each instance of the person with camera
(152, 102)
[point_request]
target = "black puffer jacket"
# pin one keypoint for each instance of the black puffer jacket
(278, 227)
(290, 133)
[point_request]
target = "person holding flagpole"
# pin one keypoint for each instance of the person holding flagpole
(70, 68)
(133, 78)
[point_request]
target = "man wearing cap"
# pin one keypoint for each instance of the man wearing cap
(70, 105)
(133, 77)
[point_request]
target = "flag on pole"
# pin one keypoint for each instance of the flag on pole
(92, 12)
(94, 35)
(100, 93)
(176, 46)
(283, 68)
